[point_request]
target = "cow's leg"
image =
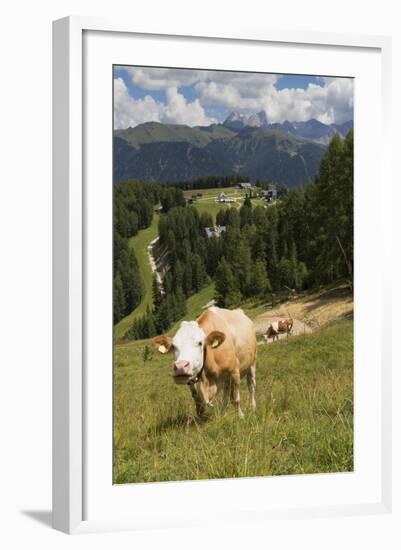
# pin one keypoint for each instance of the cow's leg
(235, 393)
(251, 381)
(226, 397)
(199, 403)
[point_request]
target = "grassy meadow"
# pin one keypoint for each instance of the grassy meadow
(303, 422)
(207, 202)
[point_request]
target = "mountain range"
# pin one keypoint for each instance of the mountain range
(312, 129)
(287, 153)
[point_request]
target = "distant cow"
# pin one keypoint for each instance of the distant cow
(214, 352)
(278, 327)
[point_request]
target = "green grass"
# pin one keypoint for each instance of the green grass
(139, 243)
(303, 422)
(207, 203)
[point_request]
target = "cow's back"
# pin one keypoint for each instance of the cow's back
(239, 331)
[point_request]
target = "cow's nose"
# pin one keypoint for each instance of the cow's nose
(181, 367)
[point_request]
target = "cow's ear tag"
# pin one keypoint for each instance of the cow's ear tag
(215, 343)
(162, 349)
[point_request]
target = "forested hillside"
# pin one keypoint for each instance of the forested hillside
(155, 152)
(303, 240)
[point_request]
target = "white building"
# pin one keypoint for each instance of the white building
(269, 195)
(245, 185)
(223, 198)
(215, 231)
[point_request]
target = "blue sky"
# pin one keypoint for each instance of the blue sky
(200, 97)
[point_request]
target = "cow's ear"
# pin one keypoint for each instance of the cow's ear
(215, 338)
(162, 344)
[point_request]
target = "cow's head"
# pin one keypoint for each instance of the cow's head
(189, 346)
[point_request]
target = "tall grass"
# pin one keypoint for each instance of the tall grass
(303, 422)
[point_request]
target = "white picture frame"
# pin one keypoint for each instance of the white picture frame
(72, 424)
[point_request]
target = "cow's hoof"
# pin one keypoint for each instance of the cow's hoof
(191, 420)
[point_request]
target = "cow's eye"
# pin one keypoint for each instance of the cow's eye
(199, 343)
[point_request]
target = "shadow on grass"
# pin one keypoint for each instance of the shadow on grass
(178, 421)
(328, 296)
(349, 316)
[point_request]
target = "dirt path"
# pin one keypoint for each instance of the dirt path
(309, 312)
(152, 260)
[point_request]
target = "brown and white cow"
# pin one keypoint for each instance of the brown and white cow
(213, 353)
(279, 327)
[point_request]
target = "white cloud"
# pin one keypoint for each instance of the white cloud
(131, 112)
(179, 111)
(159, 79)
(247, 92)
(330, 103)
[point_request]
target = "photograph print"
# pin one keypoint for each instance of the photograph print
(232, 274)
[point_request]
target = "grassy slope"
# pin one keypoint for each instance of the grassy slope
(155, 132)
(207, 203)
(195, 305)
(303, 422)
(139, 243)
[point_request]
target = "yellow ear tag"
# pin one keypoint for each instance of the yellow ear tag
(215, 343)
(162, 349)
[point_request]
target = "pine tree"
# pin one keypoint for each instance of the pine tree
(133, 223)
(330, 214)
(198, 272)
(213, 254)
(156, 293)
(135, 287)
(260, 281)
(294, 264)
(272, 239)
(247, 201)
(149, 324)
(246, 212)
(181, 303)
(221, 217)
(285, 273)
(302, 275)
(172, 246)
(163, 317)
(187, 279)
(243, 270)
(178, 274)
(226, 291)
(118, 299)
(206, 220)
(233, 218)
